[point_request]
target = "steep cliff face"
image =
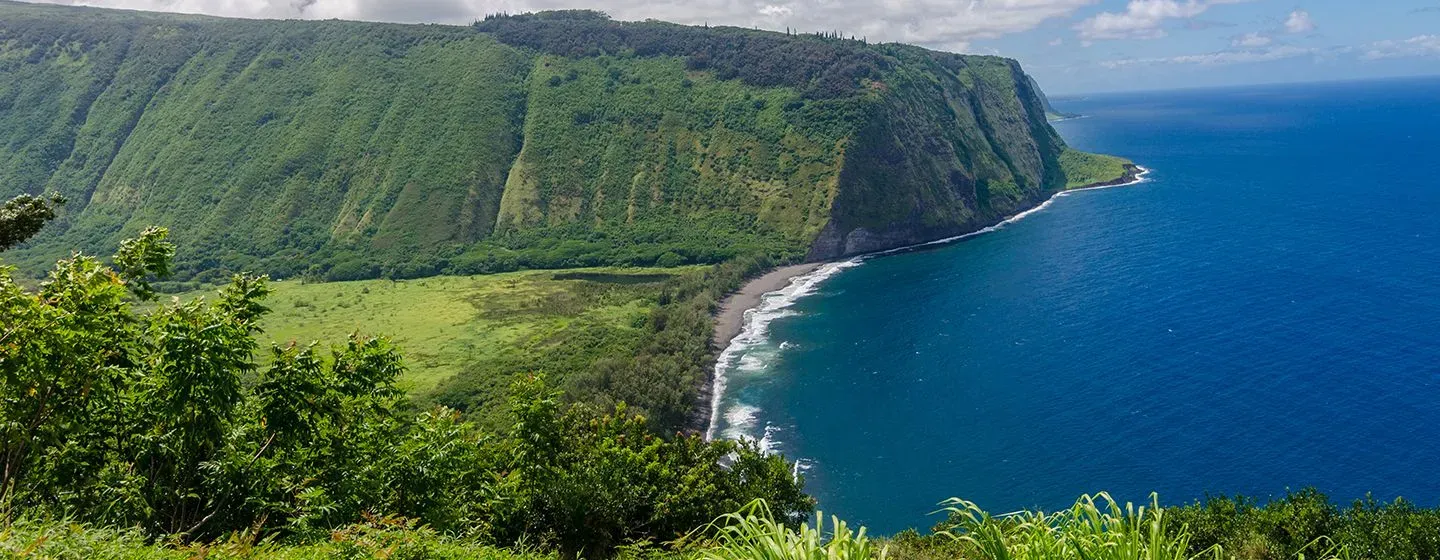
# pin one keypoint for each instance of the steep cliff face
(262, 145)
(955, 144)
(612, 143)
(351, 150)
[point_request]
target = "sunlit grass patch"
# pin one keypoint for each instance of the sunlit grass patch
(443, 323)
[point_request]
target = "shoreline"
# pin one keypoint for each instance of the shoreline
(730, 318)
(1134, 175)
(729, 323)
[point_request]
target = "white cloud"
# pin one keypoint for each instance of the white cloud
(1218, 58)
(408, 11)
(1057, 41)
(1419, 45)
(1143, 19)
(1299, 22)
(934, 23)
(771, 10)
(1250, 40)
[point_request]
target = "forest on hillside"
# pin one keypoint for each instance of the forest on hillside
(342, 150)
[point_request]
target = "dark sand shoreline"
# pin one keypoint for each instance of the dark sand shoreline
(730, 319)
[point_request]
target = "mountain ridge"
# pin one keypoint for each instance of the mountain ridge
(345, 150)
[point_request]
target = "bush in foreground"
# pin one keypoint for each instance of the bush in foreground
(162, 421)
(389, 538)
(1094, 528)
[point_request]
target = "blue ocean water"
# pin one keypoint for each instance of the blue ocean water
(1263, 314)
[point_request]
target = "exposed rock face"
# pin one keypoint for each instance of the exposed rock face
(943, 160)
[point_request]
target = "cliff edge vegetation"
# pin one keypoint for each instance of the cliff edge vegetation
(343, 150)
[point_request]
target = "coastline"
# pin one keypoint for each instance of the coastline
(731, 317)
(730, 320)
(1133, 174)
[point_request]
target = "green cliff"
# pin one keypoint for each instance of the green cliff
(350, 150)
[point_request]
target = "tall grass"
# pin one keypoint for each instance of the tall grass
(754, 534)
(390, 538)
(1095, 528)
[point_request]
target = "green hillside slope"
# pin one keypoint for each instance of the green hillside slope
(346, 150)
(259, 143)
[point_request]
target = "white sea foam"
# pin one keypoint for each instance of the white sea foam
(755, 332)
(739, 420)
(1139, 178)
(768, 443)
(743, 355)
(751, 362)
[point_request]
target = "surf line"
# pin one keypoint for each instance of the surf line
(774, 305)
(755, 328)
(1139, 178)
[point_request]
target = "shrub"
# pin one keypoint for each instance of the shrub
(161, 420)
(1096, 527)
(753, 533)
(669, 259)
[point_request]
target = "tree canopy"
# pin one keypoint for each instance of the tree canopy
(158, 416)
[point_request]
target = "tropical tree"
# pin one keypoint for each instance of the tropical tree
(23, 216)
(123, 412)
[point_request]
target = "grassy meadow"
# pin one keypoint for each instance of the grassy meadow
(446, 323)
(1083, 169)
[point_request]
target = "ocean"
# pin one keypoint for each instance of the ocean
(1262, 314)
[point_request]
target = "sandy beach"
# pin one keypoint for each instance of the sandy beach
(732, 311)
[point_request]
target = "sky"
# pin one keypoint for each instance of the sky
(1070, 46)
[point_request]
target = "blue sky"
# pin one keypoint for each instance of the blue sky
(1225, 43)
(1070, 46)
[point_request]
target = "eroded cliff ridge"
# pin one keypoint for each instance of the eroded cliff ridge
(352, 150)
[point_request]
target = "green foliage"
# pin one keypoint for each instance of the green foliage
(385, 537)
(753, 533)
(638, 154)
(1300, 525)
(161, 420)
(706, 238)
(1085, 169)
(657, 370)
(592, 479)
(23, 216)
(949, 144)
(267, 145)
(1096, 527)
(1302, 522)
(821, 65)
(346, 151)
(516, 322)
(144, 258)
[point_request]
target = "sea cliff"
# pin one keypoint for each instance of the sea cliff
(345, 150)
